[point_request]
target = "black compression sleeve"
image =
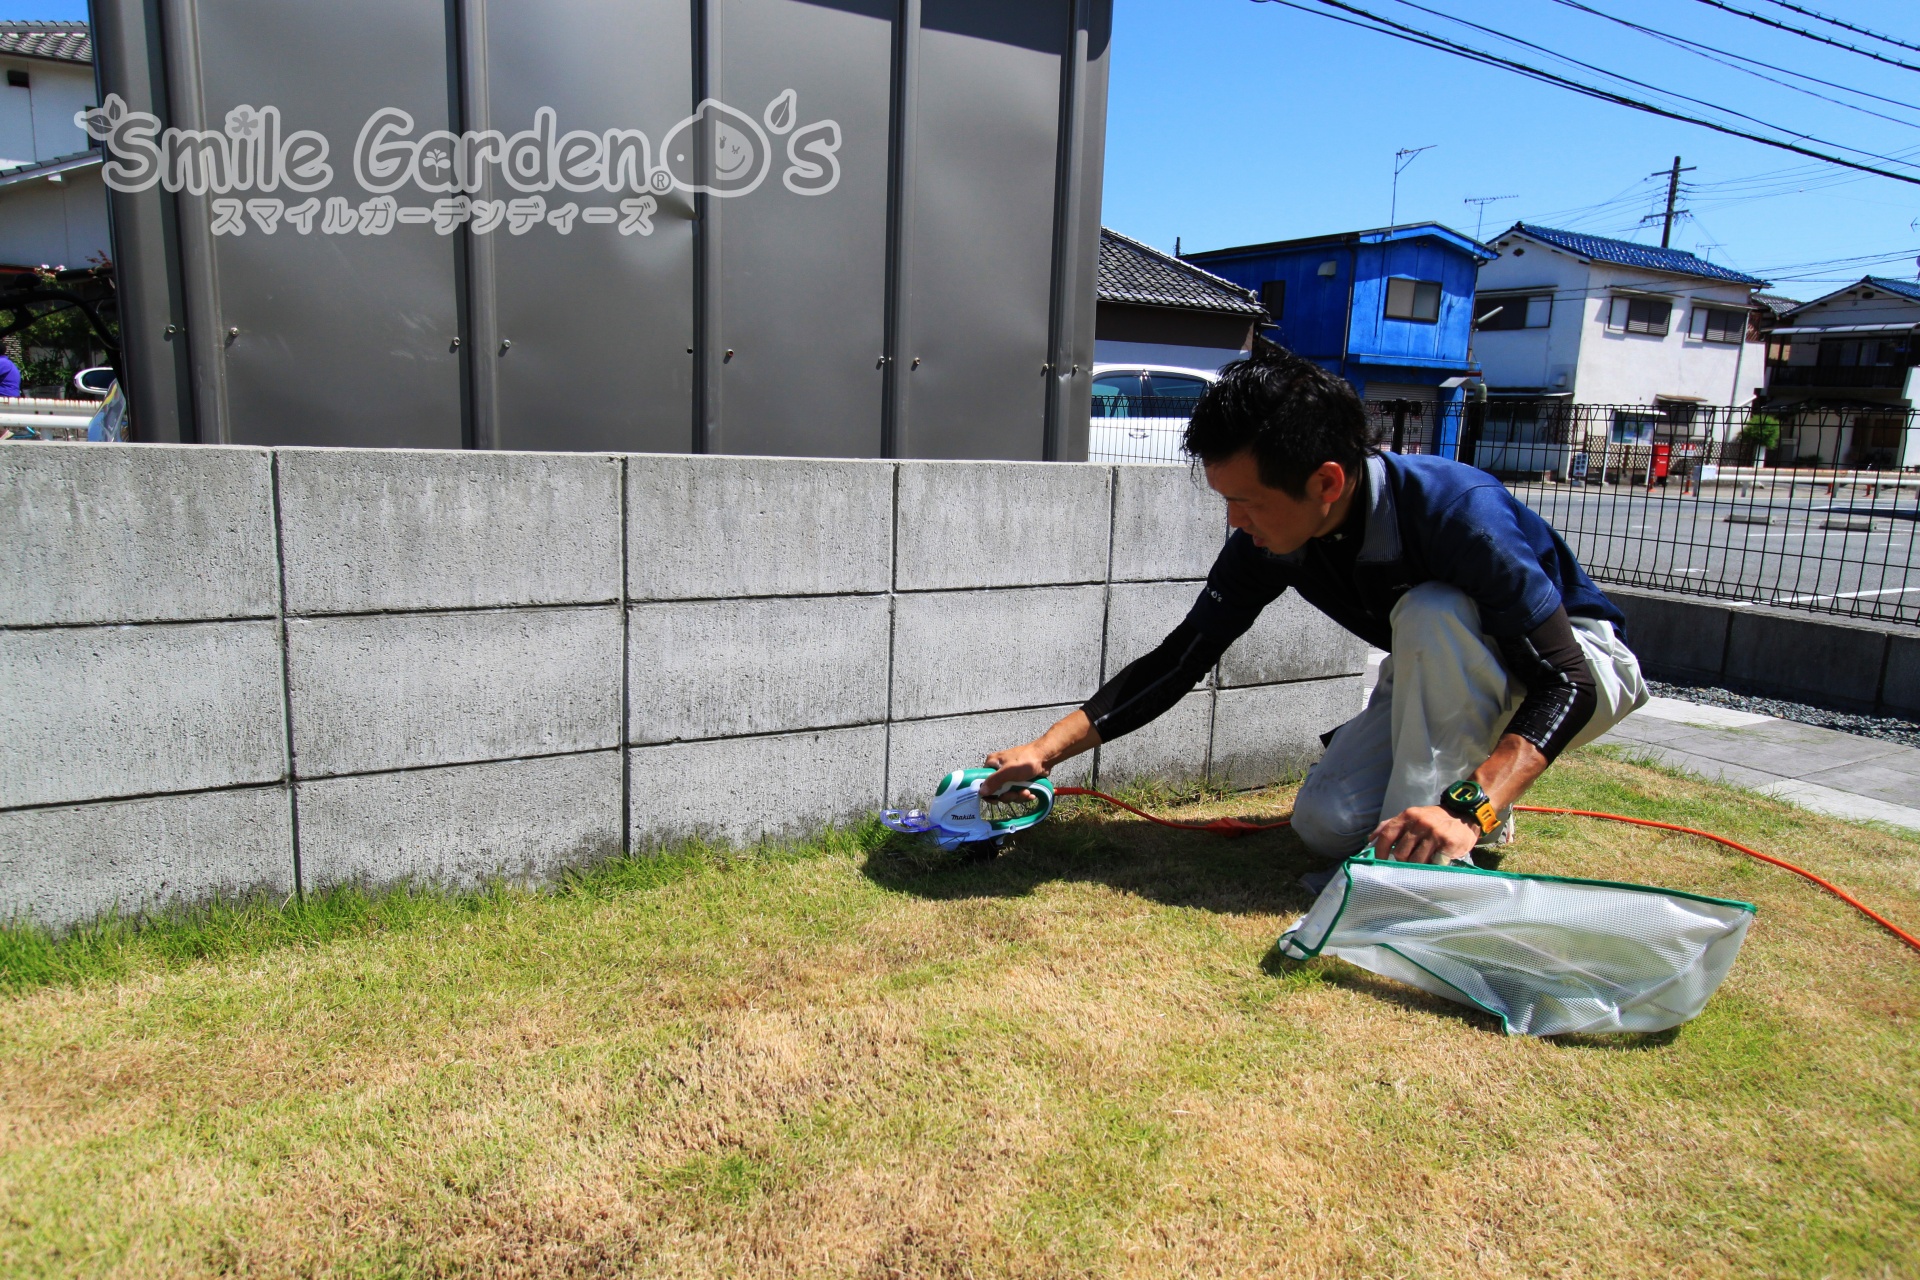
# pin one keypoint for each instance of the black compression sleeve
(1560, 690)
(1149, 686)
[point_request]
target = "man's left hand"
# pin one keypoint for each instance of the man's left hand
(1425, 833)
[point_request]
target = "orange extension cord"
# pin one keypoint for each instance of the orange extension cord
(1232, 827)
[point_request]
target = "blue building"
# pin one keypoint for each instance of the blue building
(1389, 310)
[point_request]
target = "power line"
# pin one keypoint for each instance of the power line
(1412, 35)
(1614, 75)
(1845, 26)
(1721, 56)
(1782, 26)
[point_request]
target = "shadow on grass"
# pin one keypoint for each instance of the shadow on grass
(1255, 874)
(1335, 972)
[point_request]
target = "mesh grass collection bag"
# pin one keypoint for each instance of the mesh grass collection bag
(1544, 954)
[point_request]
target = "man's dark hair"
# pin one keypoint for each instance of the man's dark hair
(1293, 414)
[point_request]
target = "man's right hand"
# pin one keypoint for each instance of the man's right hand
(1015, 765)
(1012, 766)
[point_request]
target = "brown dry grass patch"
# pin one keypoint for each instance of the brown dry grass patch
(1076, 1060)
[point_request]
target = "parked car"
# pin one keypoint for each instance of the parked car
(1140, 412)
(94, 383)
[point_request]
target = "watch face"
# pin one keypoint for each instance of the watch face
(1464, 792)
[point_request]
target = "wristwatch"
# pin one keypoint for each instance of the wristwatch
(1466, 801)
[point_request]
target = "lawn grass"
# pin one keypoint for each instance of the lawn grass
(848, 1058)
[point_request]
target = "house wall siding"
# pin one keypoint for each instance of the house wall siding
(1374, 336)
(1609, 366)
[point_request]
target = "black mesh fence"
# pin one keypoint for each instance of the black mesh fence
(1808, 508)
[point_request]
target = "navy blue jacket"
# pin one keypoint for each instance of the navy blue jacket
(1428, 519)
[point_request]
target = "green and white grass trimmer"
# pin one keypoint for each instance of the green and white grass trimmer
(959, 815)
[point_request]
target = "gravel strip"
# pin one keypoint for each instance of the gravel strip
(1887, 728)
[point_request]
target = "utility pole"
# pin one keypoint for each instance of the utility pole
(1481, 216)
(1673, 192)
(1401, 159)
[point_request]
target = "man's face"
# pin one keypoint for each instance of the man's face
(1275, 519)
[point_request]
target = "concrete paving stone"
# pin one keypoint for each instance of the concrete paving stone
(524, 821)
(724, 668)
(719, 527)
(1776, 761)
(1787, 760)
(740, 790)
(103, 533)
(1172, 748)
(1636, 729)
(370, 529)
(1002, 524)
(392, 691)
(1695, 713)
(962, 651)
(1166, 523)
(925, 751)
(91, 713)
(1271, 733)
(1139, 616)
(1869, 778)
(1735, 775)
(1292, 640)
(66, 865)
(1843, 804)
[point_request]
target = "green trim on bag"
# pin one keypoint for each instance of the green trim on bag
(1344, 899)
(1464, 997)
(1309, 953)
(1528, 875)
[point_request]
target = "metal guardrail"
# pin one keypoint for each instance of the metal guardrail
(1669, 497)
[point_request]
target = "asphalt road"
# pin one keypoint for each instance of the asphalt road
(1851, 553)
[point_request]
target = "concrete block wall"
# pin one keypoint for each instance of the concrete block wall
(1787, 653)
(229, 669)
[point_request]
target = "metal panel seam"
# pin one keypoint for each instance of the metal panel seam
(896, 404)
(1065, 191)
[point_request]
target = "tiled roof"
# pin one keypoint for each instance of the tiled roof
(1905, 288)
(1628, 254)
(43, 168)
(1138, 273)
(55, 41)
(1775, 303)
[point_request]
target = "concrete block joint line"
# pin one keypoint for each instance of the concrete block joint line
(326, 666)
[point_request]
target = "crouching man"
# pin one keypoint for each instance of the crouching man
(1503, 651)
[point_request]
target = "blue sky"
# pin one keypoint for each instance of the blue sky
(1232, 122)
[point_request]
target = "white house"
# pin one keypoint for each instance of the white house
(1854, 345)
(53, 205)
(1841, 376)
(1598, 321)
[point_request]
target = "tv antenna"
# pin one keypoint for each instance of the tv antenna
(1401, 159)
(1480, 216)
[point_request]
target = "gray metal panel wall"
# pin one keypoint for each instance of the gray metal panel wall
(600, 322)
(798, 292)
(961, 232)
(980, 239)
(154, 367)
(343, 339)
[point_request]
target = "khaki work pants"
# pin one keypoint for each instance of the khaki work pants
(1443, 700)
